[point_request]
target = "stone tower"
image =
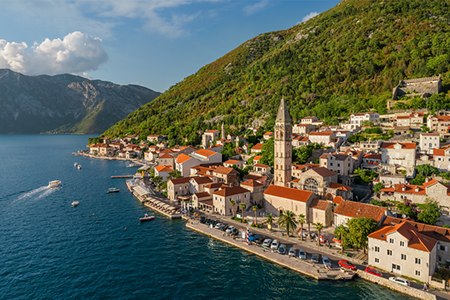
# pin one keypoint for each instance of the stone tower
(283, 146)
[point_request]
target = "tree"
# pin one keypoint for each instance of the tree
(427, 170)
(175, 174)
(233, 207)
(408, 209)
(157, 181)
(377, 187)
(430, 212)
(267, 152)
(301, 220)
(341, 233)
(228, 151)
(358, 230)
(269, 221)
(255, 209)
(319, 227)
(243, 206)
(366, 176)
(287, 221)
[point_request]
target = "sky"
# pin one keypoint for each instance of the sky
(154, 43)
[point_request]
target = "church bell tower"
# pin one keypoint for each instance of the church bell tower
(283, 146)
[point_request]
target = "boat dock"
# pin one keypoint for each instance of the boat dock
(121, 176)
(161, 206)
(316, 271)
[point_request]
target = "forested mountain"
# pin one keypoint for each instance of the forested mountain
(345, 60)
(64, 103)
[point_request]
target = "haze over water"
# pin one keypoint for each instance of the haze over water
(98, 250)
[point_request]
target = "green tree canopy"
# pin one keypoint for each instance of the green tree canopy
(430, 212)
(358, 230)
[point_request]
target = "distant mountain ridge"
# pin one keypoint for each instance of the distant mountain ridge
(345, 60)
(64, 103)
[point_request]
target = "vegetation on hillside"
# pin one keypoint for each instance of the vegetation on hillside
(345, 60)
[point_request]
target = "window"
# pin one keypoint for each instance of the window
(403, 256)
(402, 244)
(391, 241)
(418, 261)
(395, 267)
(377, 260)
(377, 249)
(417, 273)
(389, 252)
(442, 248)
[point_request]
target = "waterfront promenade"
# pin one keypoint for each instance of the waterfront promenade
(316, 271)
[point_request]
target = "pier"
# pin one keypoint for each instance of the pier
(154, 203)
(121, 176)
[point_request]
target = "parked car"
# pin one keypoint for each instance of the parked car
(229, 229)
(282, 249)
(326, 262)
(274, 245)
(203, 219)
(260, 240)
(217, 226)
(399, 280)
(292, 252)
(373, 271)
(253, 237)
(302, 254)
(345, 264)
(315, 258)
(223, 227)
(267, 243)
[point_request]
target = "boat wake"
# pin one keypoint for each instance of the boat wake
(39, 193)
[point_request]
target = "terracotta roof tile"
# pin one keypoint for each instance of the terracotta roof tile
(403, 145)
(205, 152)
(182, 158)
(202, 180)
(224, 170)
(230, 191)
(320, 204)
(203, 195)
(162, 168)
(324, 133)
(180, 180)
(288, 193)
(324, 172)
(257, 146)
(360, 210)
(251, 182)
(416, 239)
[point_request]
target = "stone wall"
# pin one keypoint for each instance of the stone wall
(407, 290)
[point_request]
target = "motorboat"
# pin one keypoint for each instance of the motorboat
(75, 203)
(75, 164)
(146, 218)
(79, 167)
(54, 184)
(113, 190)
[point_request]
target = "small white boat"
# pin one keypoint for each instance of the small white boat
(75, 203)
(131, 165)
(75, 164)
(146, 218)
(79, 167)
(113, 190)
(54, 184)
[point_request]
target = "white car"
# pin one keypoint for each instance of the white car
(274, 245)
(326, 262)
(229, 229)
(266, 243)
(399, 280)
(302, 254)
(292, 252)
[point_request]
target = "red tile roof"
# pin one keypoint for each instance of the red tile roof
(202, 180)
(324, 172)
(182, 158)
(403, 145)
(251, 182)
(224, 170)
(339, 186)
(360, 210)
(436, 232)
(320, 204)
(406, 189)
(257, 146)
(288, 193)
(230, 191)
(162, 168)
(324, 133)
(180, 180)
(416, 239)
(166, 155)
(205, 152)
(232, 162)
(202, 195)
(338, 200)
(211, 131)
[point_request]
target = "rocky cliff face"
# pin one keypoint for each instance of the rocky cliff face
(64, 103)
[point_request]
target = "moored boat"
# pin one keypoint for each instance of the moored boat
(146, 218)
(54, 184)
(113, 190)
(75, 203)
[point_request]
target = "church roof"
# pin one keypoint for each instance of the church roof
(283, 113)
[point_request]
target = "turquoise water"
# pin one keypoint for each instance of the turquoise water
(49, 250)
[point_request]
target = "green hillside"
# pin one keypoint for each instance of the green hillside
(345, 60)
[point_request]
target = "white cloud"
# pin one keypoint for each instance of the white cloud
(310, 16)
(255, 7)
(76, 53)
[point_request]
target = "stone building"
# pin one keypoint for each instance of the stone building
(423, 87)
(283, 146)
(429, 141)
(399, 156)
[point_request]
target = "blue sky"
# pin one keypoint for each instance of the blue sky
(155, 43)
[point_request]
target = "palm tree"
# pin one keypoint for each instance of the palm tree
(340, 233)
(243, 206)
(287, 220)
(269, 221)
(255, 208)
(301, 220)
(319, 227)
(233, 206)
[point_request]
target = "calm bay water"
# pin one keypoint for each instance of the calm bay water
(49, 250)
